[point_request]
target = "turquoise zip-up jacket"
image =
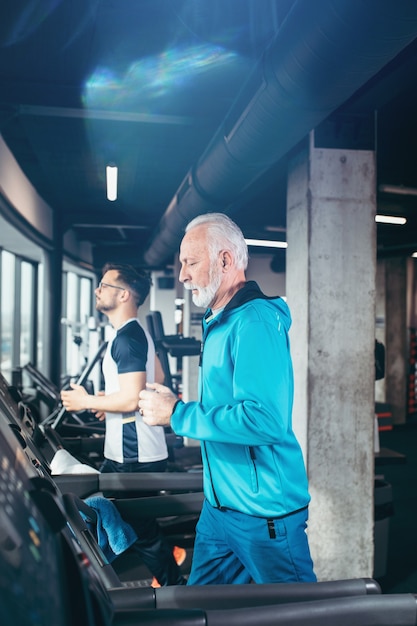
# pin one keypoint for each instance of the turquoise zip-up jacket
(252, 461)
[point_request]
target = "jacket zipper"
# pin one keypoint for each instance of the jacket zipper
(216, 499)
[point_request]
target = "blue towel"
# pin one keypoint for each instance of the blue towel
(114, 535)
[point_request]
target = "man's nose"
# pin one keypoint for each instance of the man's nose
(183, 275)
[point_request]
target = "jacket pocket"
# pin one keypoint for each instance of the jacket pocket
(251, 457)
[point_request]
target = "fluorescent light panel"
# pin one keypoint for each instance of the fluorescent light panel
(276, 229)
(265, 243)
(390, 219)
(111, 178)
(398, 189)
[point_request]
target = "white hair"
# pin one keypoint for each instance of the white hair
(223, 234)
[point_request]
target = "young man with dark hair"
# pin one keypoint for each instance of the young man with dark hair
(130, 360)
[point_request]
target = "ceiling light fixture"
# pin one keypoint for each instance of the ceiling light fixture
(398, 189)
(276, 229)
(265, 243)
(390, 219)
(111, 179)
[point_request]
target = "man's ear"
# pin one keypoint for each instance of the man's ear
(226, 260)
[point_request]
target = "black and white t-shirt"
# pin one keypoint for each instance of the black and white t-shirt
(128, 439)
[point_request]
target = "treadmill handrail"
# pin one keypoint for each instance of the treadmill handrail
(168, 505)
(151, 481)
(81, 379)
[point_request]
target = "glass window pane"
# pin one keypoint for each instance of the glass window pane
(72, 297)
(72, 318)
(7, 312)
(77, 309)
(85, 299)
(40, 305)
(26, 313)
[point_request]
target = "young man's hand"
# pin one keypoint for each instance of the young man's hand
(75, 399)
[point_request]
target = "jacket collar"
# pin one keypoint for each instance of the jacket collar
(250, 291)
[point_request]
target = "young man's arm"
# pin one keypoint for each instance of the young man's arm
(159, 372)
(122, 401)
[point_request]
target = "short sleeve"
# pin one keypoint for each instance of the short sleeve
(130, 349)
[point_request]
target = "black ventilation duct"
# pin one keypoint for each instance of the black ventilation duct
(324, 51)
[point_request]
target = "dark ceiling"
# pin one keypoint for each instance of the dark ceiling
(146, 84)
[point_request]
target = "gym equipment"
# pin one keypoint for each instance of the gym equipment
(44, 568)
(175, 524)
(82, 434)
(56, 418)
(40, 569)
(177, 346)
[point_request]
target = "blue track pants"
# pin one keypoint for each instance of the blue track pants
(235, 548)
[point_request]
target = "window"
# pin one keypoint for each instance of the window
(18, 312)
(77, 309)
(27, 313)
(40, 288)
(7, 310)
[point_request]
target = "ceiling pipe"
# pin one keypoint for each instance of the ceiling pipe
(323, 53)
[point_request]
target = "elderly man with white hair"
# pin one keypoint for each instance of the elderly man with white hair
(252, 527)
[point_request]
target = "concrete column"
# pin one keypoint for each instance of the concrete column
(331, 267)
(396, 357)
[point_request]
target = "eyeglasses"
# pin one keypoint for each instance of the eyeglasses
(101, 285)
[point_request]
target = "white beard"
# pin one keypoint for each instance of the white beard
(205, 295)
